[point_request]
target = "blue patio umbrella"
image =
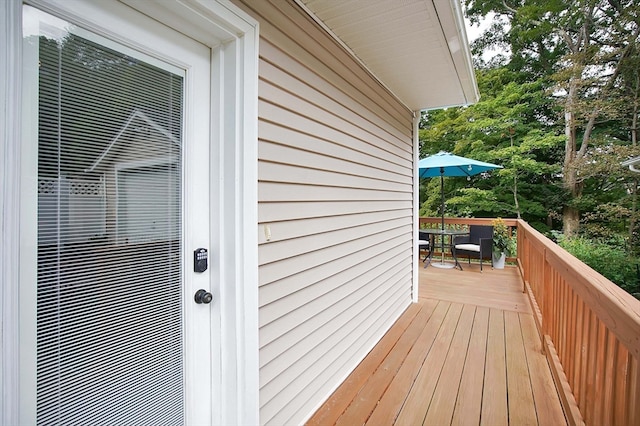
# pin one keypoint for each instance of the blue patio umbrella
(445, 164)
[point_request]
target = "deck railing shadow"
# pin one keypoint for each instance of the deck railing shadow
(589, 327)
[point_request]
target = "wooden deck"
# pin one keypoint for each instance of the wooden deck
(468, 353)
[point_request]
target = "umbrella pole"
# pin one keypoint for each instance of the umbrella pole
(442, 212)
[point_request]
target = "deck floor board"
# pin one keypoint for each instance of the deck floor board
(467, 353)
(342, 398)
(417, 403)
(469, 399)
(521, 406)
(391, 402)
(367, 399)
(442, 404)
(494, 392)
(549, 412)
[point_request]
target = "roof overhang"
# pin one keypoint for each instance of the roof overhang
(418, 49)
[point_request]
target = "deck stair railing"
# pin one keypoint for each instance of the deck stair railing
(589, 328)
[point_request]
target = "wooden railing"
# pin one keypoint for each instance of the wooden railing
(460, 222)
(589, 328)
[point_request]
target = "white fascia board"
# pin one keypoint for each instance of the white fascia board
(452, 30)
(453, 27)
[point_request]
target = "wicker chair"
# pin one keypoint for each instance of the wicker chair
(478, 244)
(424, 245)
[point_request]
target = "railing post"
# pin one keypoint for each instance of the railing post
(543, 294)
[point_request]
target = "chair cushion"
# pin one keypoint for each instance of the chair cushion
(423, 242)
(468, 247)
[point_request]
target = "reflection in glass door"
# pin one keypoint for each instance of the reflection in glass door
(109, 255)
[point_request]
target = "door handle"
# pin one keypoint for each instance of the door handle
(203, 296)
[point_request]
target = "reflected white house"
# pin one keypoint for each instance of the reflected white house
(141, 168)
(110, 201)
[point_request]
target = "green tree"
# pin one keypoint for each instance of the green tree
(585, 46)
(511, 125)
(87, 92)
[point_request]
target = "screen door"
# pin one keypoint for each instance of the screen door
(110, 143)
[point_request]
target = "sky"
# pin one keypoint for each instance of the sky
(474, 31)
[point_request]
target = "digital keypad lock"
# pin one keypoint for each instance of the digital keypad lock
(200, 260)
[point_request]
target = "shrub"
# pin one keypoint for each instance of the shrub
(501, 238)
(612, 261)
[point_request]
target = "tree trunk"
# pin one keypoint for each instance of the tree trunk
(515, 180)
(634, 209)
(634, 142)
(570, 221)
(570, 215)
(515, 197)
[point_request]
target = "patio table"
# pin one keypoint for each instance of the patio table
(446, 237)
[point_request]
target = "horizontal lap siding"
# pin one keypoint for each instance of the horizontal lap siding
(335, 213)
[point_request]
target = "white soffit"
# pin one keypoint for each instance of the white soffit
(417, 48)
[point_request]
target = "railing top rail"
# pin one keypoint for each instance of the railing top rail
(466, 220)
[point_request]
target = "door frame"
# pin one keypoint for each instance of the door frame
(233, 37)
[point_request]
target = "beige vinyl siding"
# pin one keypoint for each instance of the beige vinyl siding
(335, 212)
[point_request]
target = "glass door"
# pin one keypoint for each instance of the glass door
(110, 143)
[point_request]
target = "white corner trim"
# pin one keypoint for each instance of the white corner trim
(416, 208)
(238, 139)
(238, 211)
(239, 237)
(249, 393)
(10, 101)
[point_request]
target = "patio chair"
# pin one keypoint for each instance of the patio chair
(424, 246)
(478, 244)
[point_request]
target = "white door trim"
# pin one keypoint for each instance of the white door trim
(10, 128)
(235, 64)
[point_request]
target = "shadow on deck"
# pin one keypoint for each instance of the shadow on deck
(467, 353)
